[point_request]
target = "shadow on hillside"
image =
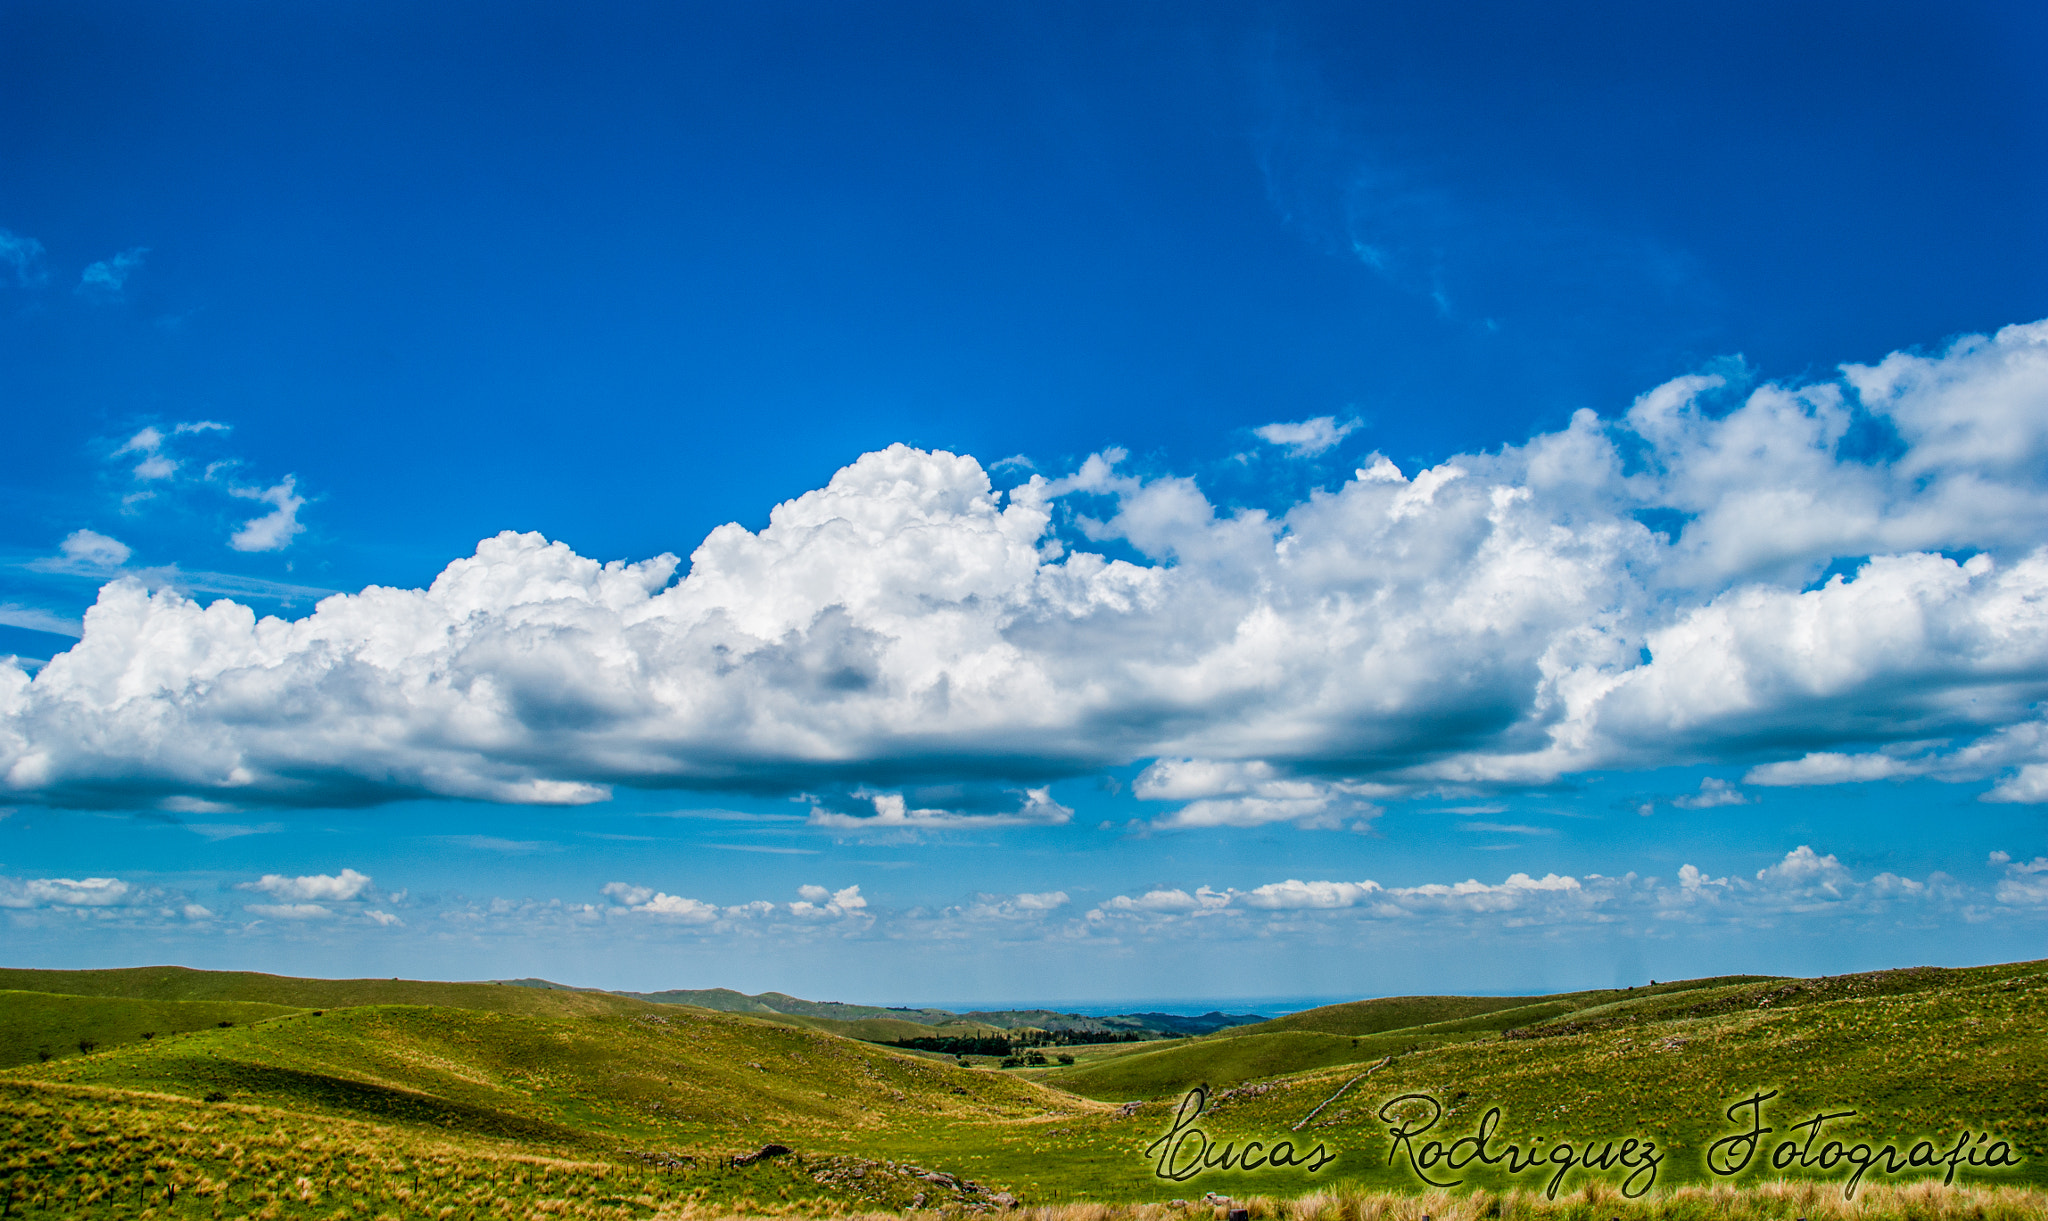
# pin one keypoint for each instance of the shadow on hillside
(291, 1087)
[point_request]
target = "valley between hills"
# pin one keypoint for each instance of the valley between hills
(167, 1092)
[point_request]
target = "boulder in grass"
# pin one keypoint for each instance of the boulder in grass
(760, 1155)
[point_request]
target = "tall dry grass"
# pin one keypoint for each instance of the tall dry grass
(1767, 1202)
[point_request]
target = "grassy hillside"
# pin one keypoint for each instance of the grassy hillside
(37, 1026)
(184, 984)
(410, 1109)
(1914, 1053)
(1401, 1012)
(1359, 1032)
(676, 1077)
(1218, 1062)
(842, 1018)
(72, 1152)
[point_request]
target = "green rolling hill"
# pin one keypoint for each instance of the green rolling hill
(363, 1097)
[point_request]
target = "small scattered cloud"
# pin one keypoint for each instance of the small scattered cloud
(815, 905)
(88, 552)
(154, 464)
(1713, 792)
(226, 830)
(1251, 794)
(819, 903)
(274, 530)
(764, 848)
(164, 464)
(1036, 808)
(1506, 828)
(63, 892)
(1170, 901)
(2024, 884)
(102, 900)
(1803, 882)
(290, 911)
(340, 888)
(1307, 438)
(1015, 909)
(23, 259)
(492, 843)
(107, 280)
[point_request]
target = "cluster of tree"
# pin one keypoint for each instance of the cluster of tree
(1033, 1059)
(981, 1045)
(1068, 1038)
(1004, 1045)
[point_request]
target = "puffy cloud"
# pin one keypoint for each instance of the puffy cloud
(1168, 902)
(819, 903)
(1298, 894)
(101, 900)
(1502, 618)
(155, 464)
(2028, 786)
(815, 904)
(628, 894)
(1250, 794)
(1309, 437)
(338, 888)
(2025, 883)
(1804, 871)
(86, 550)
(63, 892)
(652, 902)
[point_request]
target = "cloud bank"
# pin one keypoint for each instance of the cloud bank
(1826, 583)
(1804, 890)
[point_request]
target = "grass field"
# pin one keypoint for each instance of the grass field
(408, 1098)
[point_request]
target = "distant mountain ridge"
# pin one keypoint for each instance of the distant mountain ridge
(781, 1004)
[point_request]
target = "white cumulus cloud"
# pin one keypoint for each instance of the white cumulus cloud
(1502, 618)
(339, 888)
(63, 892)
(87, 550)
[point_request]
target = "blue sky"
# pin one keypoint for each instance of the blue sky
(1275, 500)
